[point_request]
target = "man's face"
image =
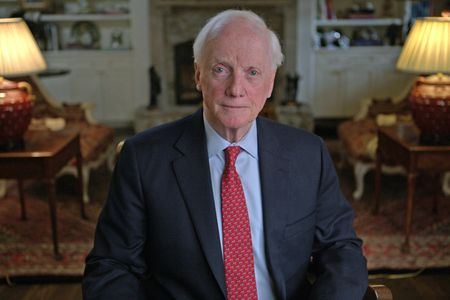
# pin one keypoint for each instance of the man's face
(236, 76)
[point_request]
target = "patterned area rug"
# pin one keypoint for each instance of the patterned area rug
(383, 234)
(26, 246)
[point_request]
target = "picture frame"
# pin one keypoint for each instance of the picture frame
(36, 5)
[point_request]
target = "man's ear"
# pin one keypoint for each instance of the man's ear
(197, 76)
(271, 86)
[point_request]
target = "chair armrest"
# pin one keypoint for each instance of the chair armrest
(88, 110)
(363, 111)
(378, 292)
(79, 112)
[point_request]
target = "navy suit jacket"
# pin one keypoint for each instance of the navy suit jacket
(157, 235)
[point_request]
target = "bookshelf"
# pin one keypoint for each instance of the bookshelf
(359, 23)
(356, 45)
(105, 47)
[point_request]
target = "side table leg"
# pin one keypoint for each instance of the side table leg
(377, 181)
(80, 184)
(409, 210)
(22, 199)
(436, 190)
(52, 206)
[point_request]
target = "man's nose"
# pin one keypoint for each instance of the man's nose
(236, 85)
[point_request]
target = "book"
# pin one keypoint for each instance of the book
(331, 14)
(321, 9)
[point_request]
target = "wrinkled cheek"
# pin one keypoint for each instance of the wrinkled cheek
(258, 107)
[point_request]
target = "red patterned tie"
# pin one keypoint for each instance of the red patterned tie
(237, 239)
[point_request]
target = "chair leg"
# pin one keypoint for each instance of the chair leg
(86, 173)
(446, 184)
(360, 170)
(343, 157)
(2, 188)
(23, 209)
(73, 171)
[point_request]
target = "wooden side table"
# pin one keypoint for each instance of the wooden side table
(44, 154)
(401, 143)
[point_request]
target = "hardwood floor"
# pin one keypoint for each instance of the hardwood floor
(63, 291)
(428, 286)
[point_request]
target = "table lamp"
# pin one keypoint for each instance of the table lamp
(19, 55)
(427, 52)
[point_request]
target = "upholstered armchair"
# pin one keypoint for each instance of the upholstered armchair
(359, 139)
(358, 136)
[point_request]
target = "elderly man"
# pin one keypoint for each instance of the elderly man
(224, 204)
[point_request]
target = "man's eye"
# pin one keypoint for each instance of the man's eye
(218, 69)
(253, 72)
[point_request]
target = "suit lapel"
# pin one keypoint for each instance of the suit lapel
(274, 172)
(192, 172)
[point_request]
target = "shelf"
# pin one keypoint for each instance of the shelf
(87, 53)
(358, 22)
(364, 50)
(215, 3)
(83, 17)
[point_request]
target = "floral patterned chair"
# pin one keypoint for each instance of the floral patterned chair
(358, 136)
(359, 139)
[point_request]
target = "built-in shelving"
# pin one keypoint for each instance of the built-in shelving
(360, 50)
(354, 54)
(84, 17)
(105, 47)
(85, 53)
(215, 3)
(359, 22)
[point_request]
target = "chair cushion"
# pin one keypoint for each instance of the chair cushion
(95, 139)
(356, 136)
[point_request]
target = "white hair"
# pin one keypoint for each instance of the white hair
(214, 25)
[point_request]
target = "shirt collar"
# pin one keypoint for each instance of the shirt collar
(216, 144)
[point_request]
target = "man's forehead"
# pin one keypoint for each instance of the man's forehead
(247, 59)
(249, 49)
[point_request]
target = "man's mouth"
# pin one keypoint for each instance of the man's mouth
(233, 106)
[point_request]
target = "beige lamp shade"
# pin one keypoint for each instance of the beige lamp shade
(427, 47)
(19, 52)
(427, 51)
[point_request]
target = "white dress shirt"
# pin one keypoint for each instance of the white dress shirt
(248, 169)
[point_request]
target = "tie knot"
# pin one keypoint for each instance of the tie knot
(231, 154)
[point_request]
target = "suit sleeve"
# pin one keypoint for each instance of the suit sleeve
(116, 264)
(338, 264)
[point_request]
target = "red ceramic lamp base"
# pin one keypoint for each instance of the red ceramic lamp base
(16, 103)
(430, 105)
